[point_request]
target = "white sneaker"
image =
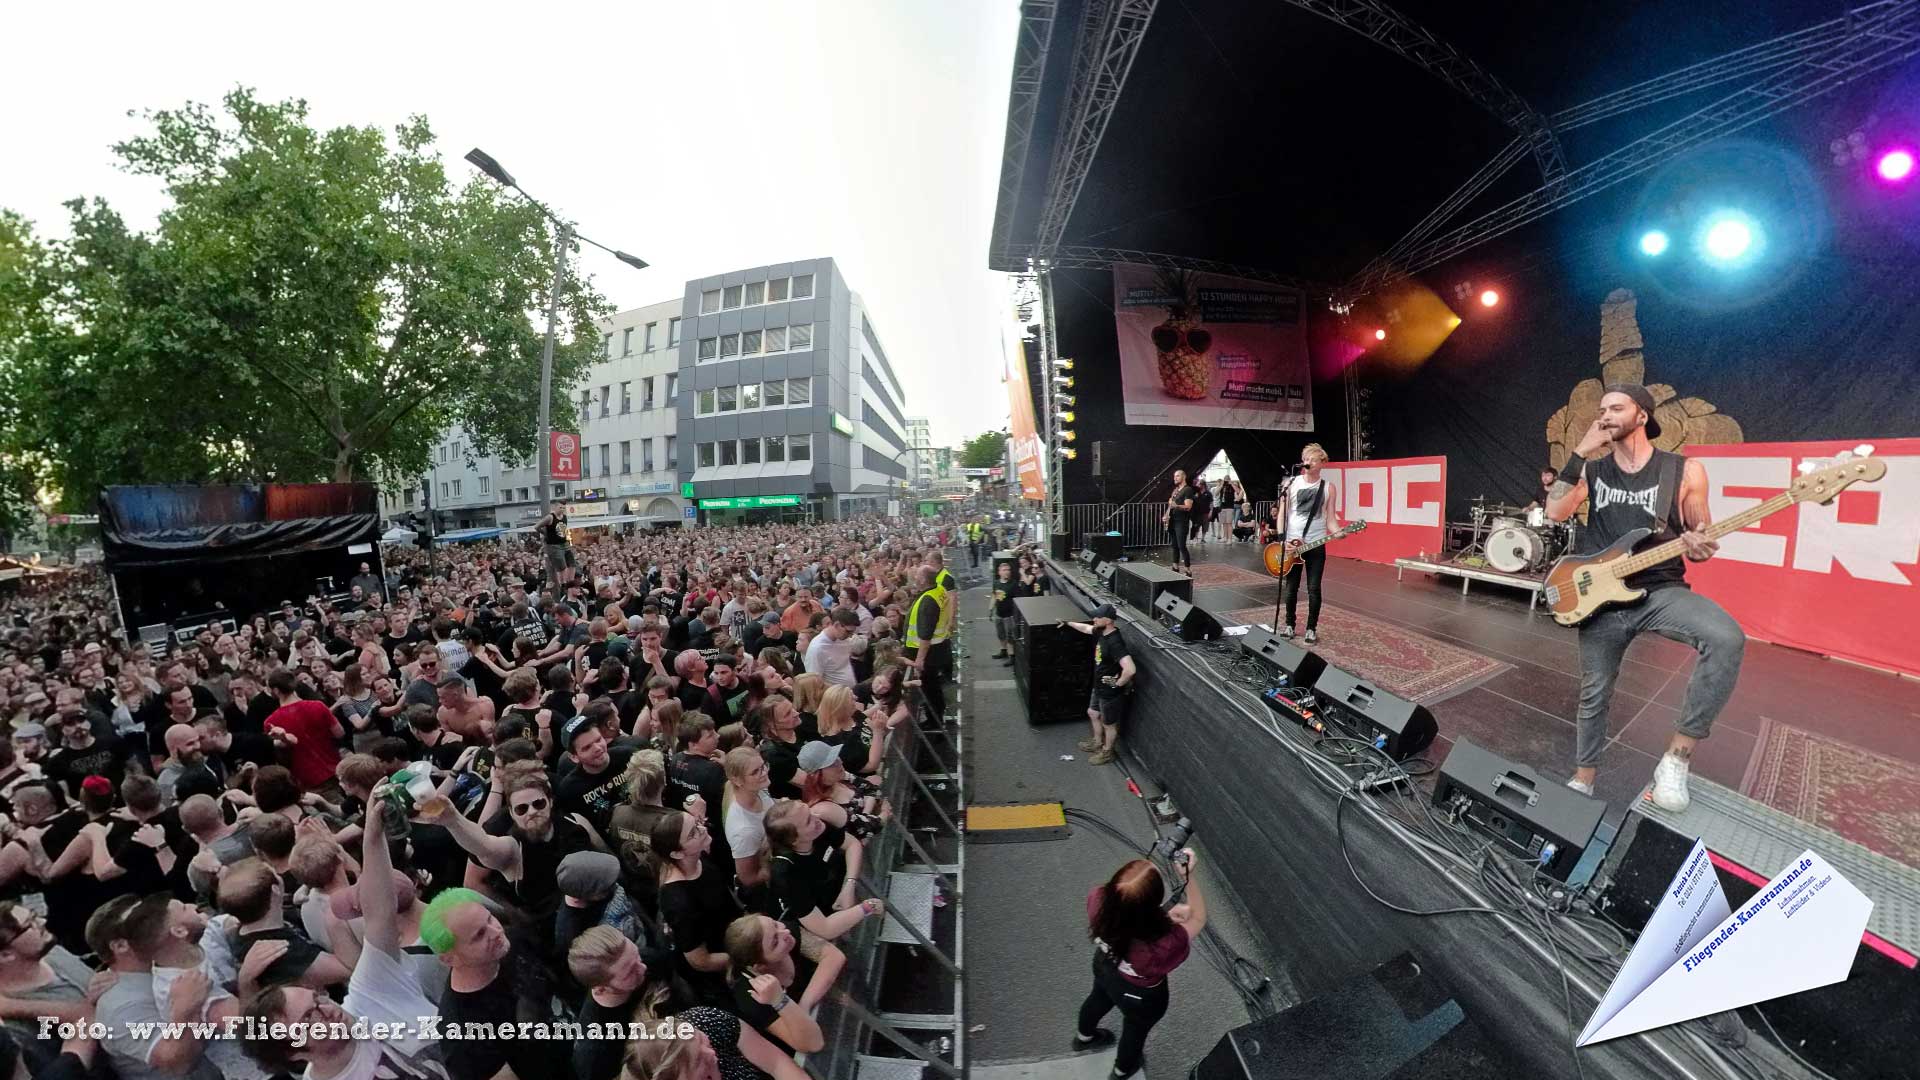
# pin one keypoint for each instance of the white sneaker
(1581, 786)
(1670, 784)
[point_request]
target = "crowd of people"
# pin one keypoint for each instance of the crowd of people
(631, 785)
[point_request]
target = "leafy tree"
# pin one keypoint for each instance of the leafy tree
(312, 305)
(984, 451)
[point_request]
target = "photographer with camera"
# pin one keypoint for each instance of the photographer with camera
(1137, 944)
(1113, 673)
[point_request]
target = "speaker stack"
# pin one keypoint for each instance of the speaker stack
(1052, 664)
(1141, 583)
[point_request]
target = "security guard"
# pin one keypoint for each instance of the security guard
(974, 535)
(929, 621)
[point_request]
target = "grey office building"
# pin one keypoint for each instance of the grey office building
(788, 406)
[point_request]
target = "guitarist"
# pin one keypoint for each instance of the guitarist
(1638, 487)
(1306, 514)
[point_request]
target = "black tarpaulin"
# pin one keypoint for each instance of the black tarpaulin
(143, 527)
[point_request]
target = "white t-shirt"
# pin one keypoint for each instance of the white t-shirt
(223, 1053)
(1300, 496)
(382, 990)
(833, 660)
(747, 829)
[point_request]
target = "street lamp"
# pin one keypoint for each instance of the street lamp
(564, 236)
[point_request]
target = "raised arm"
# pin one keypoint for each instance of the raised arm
(379, 906)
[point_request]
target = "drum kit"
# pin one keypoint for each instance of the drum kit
(1517, 539)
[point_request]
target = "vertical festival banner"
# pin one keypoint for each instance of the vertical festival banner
(1208, 350)
(563, 455)
(1025, 440)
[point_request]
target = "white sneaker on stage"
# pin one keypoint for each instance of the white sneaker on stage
(1581, 786)
(1670, 784)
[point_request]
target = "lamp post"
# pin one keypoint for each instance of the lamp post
(563, 238)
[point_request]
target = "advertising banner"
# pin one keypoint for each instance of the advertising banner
(1836, 579)
(1208, 350)
(1402, 500)
(1025, 441)
(563, 452)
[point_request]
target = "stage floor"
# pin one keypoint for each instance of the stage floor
(1823, 741)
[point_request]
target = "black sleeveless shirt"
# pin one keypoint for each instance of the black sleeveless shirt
(1619, 502)
(552, 534)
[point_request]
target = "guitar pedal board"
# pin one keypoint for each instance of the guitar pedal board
(1296, 704)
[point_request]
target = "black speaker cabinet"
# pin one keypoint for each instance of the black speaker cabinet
(1052, 664)
(1140, 583)
(1396, 1022)
(1536, 816)
(1106, 546)
(1285, 661)
(1058, 545)
(1191, 623)
(1391, 722)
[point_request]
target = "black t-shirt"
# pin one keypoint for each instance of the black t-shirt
(497, 1003)
(698, 913)
(1004, 594)
(485, 682)
(537, 891)
(761, 1017)
(300, 955)
(783, 762)
(694, 699)
(855, 745)
(690, 774)
(532, 628)
(594, 795)
(600, 1059)
(1180, 495)
(1108, 651)
(102, 758)
(803, 884)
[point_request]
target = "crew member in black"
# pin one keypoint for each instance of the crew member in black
(1113, 674)
(1636, 487)
(1179, 519)
(1005, 591)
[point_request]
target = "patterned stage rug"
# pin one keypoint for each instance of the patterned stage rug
(1225, 575)
(1391, 656)
(1871, 799)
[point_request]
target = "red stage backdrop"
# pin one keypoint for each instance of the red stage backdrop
(1403, 501)
(1838, 579)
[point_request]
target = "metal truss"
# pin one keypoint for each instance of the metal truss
(1386, 27)
(1109, 39)
(1087, 257)
(1023, 103)
(1887, 36)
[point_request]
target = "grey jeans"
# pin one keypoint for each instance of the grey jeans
(1673, 612)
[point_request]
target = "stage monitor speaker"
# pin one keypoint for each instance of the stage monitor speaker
(1105, 573)
(1535, 816)
(1087, 557)
(1190, 622)
(1389, 721)
(1140, 583)
(1057, 546)
(1052, 664)
(1290, 664)
(1396, 1022)
(1108, 546)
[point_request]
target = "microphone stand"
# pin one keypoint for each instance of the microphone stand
(1280, 580)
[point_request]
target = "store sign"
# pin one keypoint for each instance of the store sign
(590, 493)
(563, 455)
(686, 489)
(751, 502)
(662, 487)
(841, 424)
(581, 509)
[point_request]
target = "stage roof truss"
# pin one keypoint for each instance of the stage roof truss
(1091, 257)
(1023, 104)
(1109, 39)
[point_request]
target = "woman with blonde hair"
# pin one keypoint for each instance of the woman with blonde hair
(744, 814)
(1306, 513)
(860, 739)
(807, 691)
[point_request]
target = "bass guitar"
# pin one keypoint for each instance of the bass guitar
(1280, 560)
(1579, 585)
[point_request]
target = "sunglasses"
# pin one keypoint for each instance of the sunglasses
(531, 806)
(1167, 339)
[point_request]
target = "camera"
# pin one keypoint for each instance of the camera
(1173, 840)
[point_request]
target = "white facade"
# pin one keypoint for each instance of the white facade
(920, 438)
(628, 413)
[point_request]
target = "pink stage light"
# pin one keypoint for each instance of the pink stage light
(1489, 298)
(1895, 165)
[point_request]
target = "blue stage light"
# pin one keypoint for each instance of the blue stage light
(1729, 238)
(1653, 242)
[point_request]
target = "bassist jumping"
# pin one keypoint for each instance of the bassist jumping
(1637, 487)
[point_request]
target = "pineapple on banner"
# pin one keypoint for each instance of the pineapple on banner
(1207, 350)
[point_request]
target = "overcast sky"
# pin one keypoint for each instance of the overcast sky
(703, 136)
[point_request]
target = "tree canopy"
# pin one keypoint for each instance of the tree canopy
(986, 450)
(311, 305)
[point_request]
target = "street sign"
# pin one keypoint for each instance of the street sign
(686, 489)
(690, 513)
(564, 455)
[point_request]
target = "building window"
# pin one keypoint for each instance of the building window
(800, 337)
(484, 484)
(703, 403)
(776, 448)
(777, 290)
(673, 451)
(606, 401)
(730, 298)
(799, 448)
(626, 398)
(586, 405)
(626, 458)
(710, 301)
(776, 339)
(409, 498)
(646, 455)
(647, 345)
(626, 342)
(443, 491)
(756, 293)
(750, 343)
(729, 398)
(799, 391)
(703, 455)
(559, 491)
(709, 348)
(606, 346)
(456, 489)
(729, 452)
(776, 393)
(750, 395)
(646, 392)
(586, 460)
(802, 286)
(749, 451)
(729, 345)
(606, 459)
(673, 333)
(673, 387)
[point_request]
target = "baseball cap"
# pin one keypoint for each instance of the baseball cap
(1642, 397)
(1105, 611)
(30, 730)
(573, 729)
(433, 921)
(619, 646)
(588, 875)
(817, 755)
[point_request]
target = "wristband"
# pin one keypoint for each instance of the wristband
(1574, 469)
(785, 1000)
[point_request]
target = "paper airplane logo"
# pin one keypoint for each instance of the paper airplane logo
(1697, 956)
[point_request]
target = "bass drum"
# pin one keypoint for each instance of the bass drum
(1515, 550)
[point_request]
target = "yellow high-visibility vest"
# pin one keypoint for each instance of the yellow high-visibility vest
(939, 597)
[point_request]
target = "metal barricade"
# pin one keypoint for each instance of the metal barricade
(1138, 523)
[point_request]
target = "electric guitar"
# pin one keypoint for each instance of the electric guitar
(1280, 561)
(1579, 585)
